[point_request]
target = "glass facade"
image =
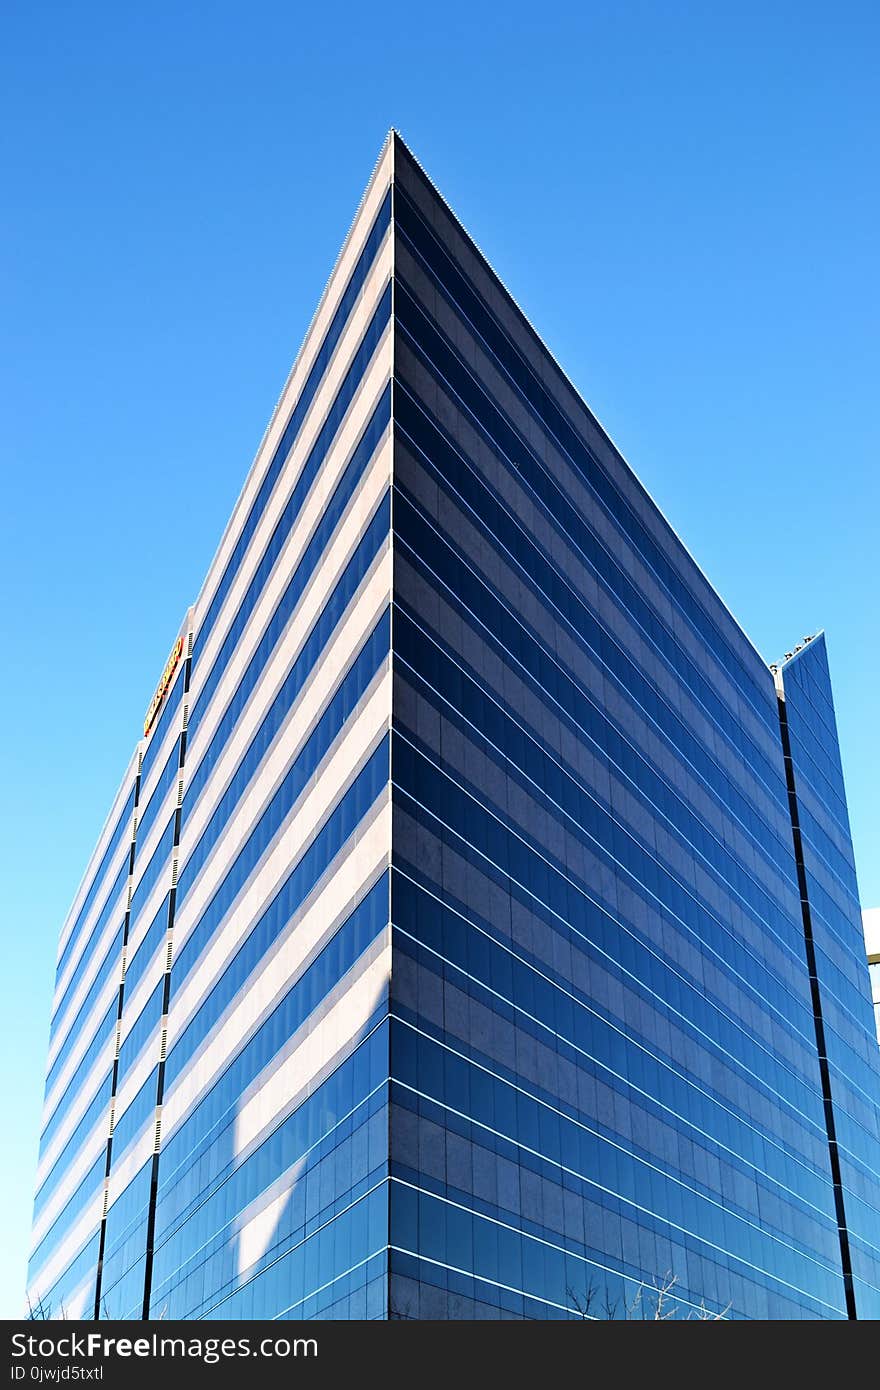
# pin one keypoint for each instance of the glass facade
(447, 952)
(836, 953)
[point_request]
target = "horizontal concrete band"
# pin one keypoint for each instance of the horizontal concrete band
(296, 380)
(347, 348)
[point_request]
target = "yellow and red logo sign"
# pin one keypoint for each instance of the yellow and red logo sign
(156, 702)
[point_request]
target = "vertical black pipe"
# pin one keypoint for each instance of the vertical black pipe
(825, 1074)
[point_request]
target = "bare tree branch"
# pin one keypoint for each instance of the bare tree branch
(658, 1301)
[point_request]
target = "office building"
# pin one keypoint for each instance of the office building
(474, 932)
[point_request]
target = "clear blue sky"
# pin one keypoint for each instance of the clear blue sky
(682, 196)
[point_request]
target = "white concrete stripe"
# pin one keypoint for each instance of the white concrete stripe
(326, 1040)
(144, 852)
(364, 402)
(100, 949)
(354, 627)
(85, 1228)
(121, 796)
(292, 389)
(85, 941)
(102, 1065)
(170, 736)
(123, 793)
(81, 1303)
(337, 771)
(360, 864)
(135, 938)
(145, 914)
(122, 1174)
(133, 1003)
(83, 1042)
(137, 1073)
(99, 1008)
(290, 474)
(374, 481)
(71, 1007)
(86, 1156)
